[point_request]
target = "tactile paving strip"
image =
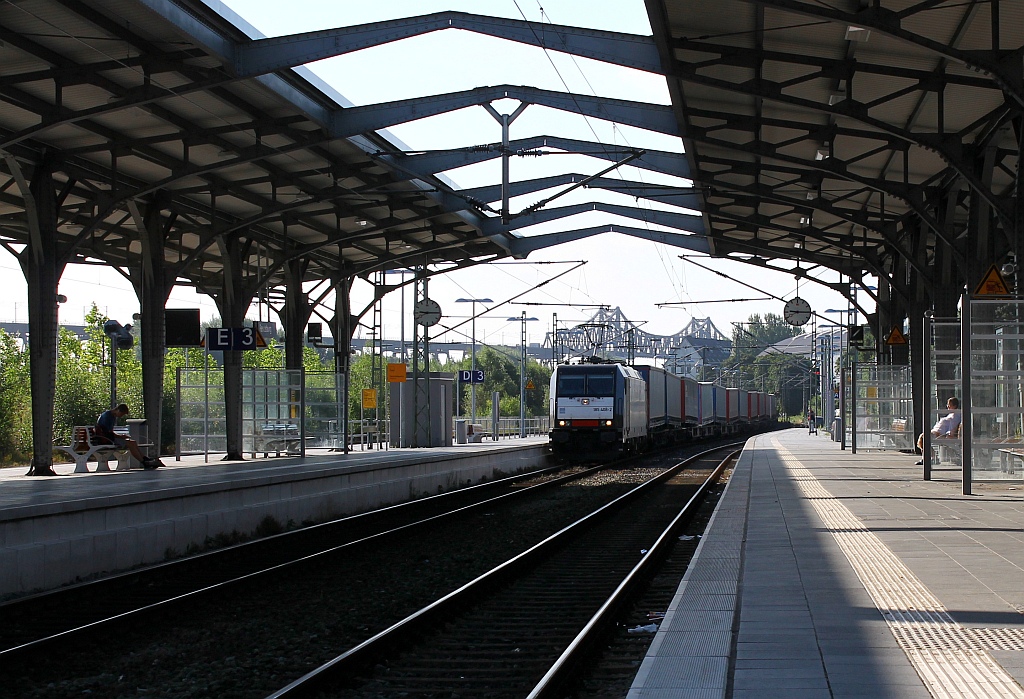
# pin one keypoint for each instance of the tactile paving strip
(951, 659)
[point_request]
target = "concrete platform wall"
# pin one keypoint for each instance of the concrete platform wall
(43, 547)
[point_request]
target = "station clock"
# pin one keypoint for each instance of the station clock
(797, 311)
(427, 312)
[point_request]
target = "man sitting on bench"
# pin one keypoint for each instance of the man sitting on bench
(947, 427)
(105, 424)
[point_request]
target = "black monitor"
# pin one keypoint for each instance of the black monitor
(181, 327)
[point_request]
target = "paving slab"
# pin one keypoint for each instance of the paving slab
(854, 578)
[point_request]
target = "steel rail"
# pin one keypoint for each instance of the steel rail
(397, 634)
(567, 667)
(123, 581)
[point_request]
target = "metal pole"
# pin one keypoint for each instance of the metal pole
(966, 428)
(522, 381)
(113, 373)
(472, 376)
(926, 383)
(853, 407)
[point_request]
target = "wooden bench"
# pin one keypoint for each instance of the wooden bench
(83, 447)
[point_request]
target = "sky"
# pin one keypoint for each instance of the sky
(621, 271)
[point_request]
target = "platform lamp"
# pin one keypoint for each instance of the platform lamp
(120, 338)
(522, 373)
(472, 385)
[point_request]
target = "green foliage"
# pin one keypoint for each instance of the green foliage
(83, 383)
(15, 403)
(776, 372)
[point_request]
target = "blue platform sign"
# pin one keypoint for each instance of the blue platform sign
(228, 339)
(467, 376)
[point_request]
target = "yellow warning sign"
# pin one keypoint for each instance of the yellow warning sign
(260, 341)
(397, 373)
(896, 337)
(992, 284)
(369, 398)
(530, 385)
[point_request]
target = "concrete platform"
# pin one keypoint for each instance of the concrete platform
(828, 574)
(56, 530)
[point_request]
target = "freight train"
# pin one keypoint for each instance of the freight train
(608, 407)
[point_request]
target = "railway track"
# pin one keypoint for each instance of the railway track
(529, 626)
(259, 627)
(34, 623)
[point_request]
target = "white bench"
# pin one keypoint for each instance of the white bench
(475, 433)
(83, 448)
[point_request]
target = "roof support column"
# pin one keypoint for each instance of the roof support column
(232, 302)
(153, 288)
(43, 267)
(1018, 210)
(342, 329)
(296, 313)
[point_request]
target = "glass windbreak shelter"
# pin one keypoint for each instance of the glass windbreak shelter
(994, 416)
(945, 381)
(881, 407)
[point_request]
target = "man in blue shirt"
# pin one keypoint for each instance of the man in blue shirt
(105, 425)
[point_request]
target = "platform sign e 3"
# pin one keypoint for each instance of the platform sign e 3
(397, 373)
(369, 398)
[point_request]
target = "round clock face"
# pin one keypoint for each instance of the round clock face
(797, 311)
(427, 312)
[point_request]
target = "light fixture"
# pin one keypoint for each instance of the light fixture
(805, 221)
(362, 222)
(857, 33)
(822, 154)
(836, 96)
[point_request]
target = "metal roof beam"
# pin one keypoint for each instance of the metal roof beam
(263, 56)
(885, 21)
(948, 147)
(683, 197)
(357, 120)
(521, 247)
(686, 222)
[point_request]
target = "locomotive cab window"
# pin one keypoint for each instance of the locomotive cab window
(572, 386)
(577, 385)
(601, 385)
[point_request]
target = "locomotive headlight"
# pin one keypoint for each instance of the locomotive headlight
(608, 423)
(561, 423)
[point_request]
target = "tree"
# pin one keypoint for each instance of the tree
(775, 372)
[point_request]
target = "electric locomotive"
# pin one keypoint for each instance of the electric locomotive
(597, 408)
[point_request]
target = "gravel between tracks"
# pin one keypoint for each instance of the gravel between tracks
(257, 642)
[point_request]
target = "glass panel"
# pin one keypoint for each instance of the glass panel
(997, 382)
(883, 408)
(600, 385)
(571, 386)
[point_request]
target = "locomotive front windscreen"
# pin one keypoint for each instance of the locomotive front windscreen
(576, 385)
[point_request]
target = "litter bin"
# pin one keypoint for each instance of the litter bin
(460, 431)
(139, 431)
(837, 430)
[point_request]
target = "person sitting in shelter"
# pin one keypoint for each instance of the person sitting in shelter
(105, 425)
(947, 427)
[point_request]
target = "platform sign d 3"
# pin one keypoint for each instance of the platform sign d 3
(398, 373)
(369, 398)
(475, 376)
